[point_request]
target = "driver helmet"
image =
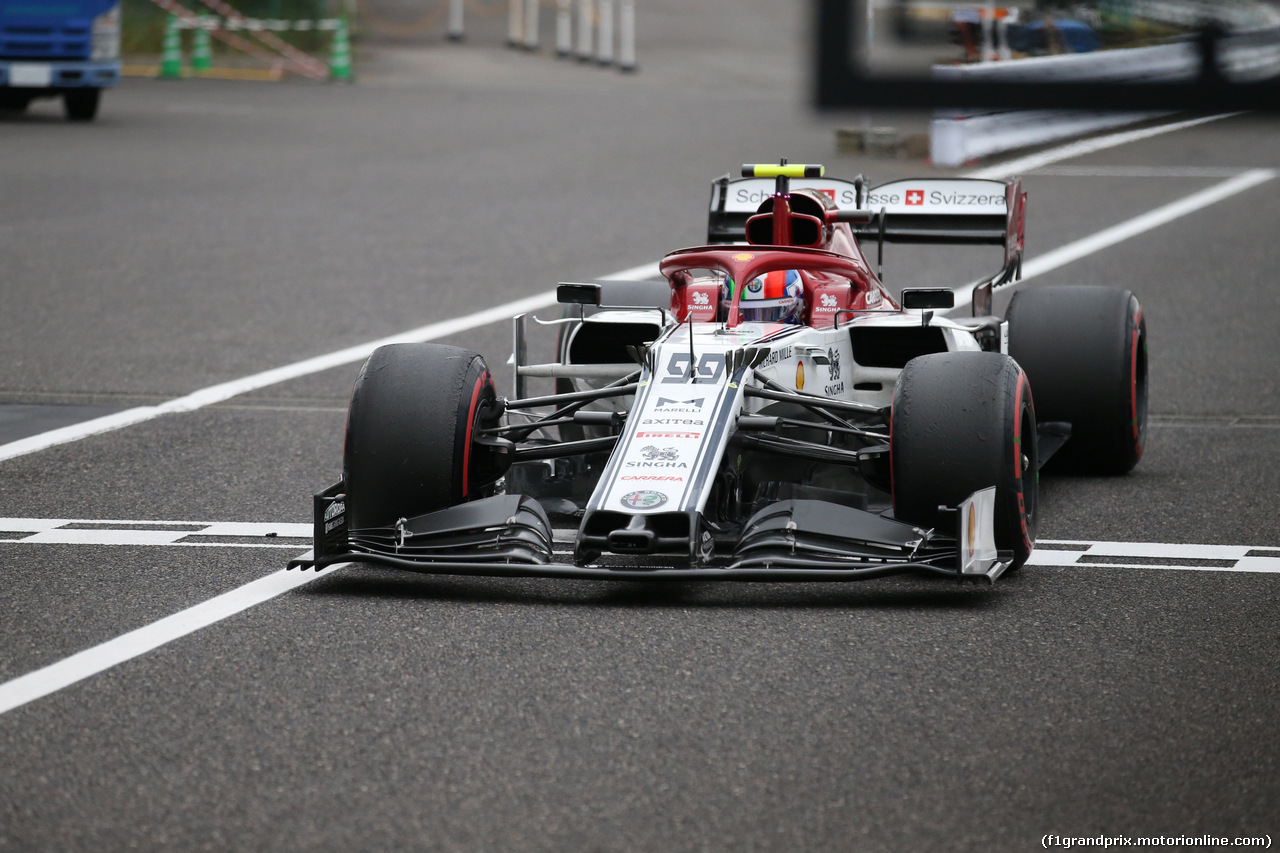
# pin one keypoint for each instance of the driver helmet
(775, 297)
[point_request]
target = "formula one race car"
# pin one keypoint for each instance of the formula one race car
(768, 412)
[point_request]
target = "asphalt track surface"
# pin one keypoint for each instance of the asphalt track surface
(204, 231)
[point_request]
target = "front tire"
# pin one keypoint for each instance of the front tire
(14, 101)
(964, 421)
(410, 446)
(81, 104)
(1084, 349)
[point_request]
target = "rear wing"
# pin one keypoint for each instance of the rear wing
(923, 210)
(733, 202)
(949, 210)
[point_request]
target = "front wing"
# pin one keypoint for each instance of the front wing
(790, 540)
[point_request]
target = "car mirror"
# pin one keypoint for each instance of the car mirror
(928, 298)
(570, 293)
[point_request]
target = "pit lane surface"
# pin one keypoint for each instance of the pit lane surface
(202, 232)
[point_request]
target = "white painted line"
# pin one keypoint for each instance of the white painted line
(176, 534)
(1031, 162)
(226, 390)
(237, 528)
(105, 537)
(34, 525)
(1257, 564)
(1140, 224)
(1251, 566)
(192, 528)
(1146, 222)
(1136, 172)
(1150, 555)
(91, 661)
(134, 537)
(1158, 549)
(644, 272)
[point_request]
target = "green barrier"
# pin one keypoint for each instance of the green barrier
(171, 55)
(201, 48)
(340, 56)
(339, 66)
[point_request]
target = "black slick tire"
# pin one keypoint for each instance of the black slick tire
(964, 421)
(81, 104)
(13, 101)
(1084, 348)
(410, 445)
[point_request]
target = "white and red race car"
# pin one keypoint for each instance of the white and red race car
(768, 411)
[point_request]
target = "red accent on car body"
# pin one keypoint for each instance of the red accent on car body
(849, 274)
(1016, 203)
(696, 309)
(815, 265)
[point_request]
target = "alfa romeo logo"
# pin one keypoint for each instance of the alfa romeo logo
(644, 499)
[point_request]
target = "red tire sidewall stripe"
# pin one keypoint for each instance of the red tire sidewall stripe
(1019, 484)
(1017, 430)
(893, 493)
(481, 380)
(1133, 378)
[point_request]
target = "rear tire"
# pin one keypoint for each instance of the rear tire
(964, 421)
(82, 104)
(410, 444)
(1084, 348)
